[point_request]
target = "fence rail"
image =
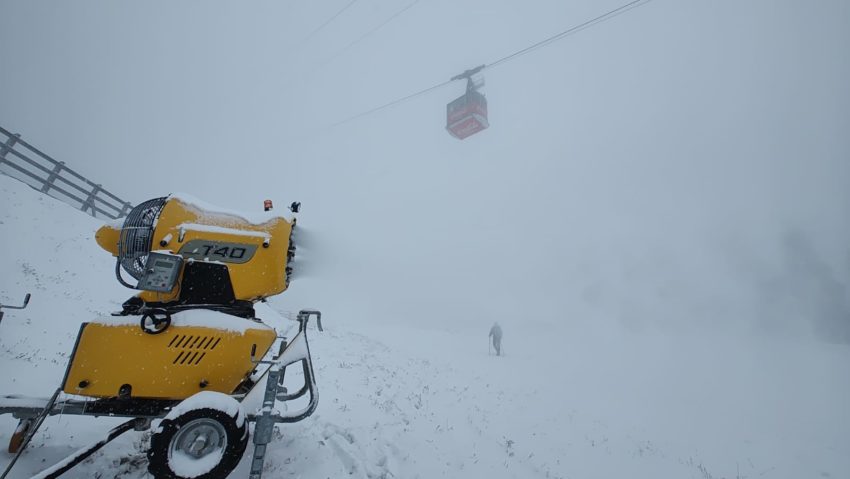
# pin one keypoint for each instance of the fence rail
(23, 161)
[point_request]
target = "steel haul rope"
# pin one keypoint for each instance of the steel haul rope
(547, 41)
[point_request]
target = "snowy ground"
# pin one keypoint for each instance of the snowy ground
(398, 402)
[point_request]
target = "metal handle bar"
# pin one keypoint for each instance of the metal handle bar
(304, 317)
(26, 302)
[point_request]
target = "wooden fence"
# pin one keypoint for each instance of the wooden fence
(21, 160)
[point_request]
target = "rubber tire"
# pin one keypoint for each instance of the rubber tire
(237, 441)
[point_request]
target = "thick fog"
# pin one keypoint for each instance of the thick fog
(683, 166)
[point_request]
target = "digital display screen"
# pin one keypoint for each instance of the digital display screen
(163, 264)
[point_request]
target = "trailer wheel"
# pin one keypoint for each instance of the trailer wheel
(203, 437)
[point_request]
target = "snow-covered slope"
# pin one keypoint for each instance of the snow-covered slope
(49, 251)
(402, 402)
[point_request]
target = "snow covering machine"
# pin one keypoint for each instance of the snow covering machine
(189, 347)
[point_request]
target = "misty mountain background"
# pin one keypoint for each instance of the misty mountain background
(681, 167)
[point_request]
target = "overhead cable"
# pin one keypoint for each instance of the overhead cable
(601, 18)
(572, 30)
(329, 20)
(369, 33)
(392, 103)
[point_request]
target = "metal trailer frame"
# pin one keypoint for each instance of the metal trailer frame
(31, 412)
(9, 306)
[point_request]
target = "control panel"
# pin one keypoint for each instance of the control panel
(161, 271)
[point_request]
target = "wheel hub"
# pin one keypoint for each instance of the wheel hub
(200, 438)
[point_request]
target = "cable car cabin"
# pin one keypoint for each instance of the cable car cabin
(467, 115)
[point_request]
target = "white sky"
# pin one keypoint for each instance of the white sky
(651, 169)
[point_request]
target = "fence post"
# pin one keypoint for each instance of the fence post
(7, 147)
(126, 209)
(33, 172)
(57, 168)
(89, 203)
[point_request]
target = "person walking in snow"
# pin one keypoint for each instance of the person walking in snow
(496, 336)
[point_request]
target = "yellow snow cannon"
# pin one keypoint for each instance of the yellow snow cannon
(196, 263)
(190, 346)
(181, 250)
